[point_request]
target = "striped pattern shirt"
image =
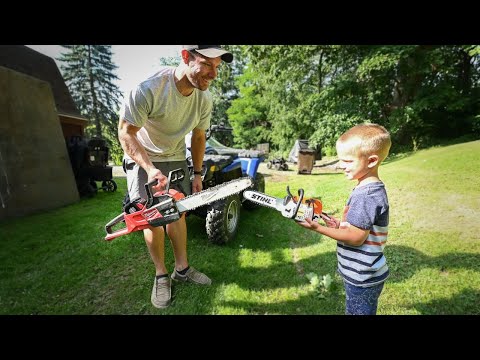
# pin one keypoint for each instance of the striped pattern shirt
(365, 265)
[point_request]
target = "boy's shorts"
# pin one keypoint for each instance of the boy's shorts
(137, 177)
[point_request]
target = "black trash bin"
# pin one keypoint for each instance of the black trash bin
(89, 160)
(99, 169)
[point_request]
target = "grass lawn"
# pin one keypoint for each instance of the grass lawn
(58, 263)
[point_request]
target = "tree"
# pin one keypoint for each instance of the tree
(224, 89)
(89, 73)
(248, 113)
(170, 60)
(421, 93)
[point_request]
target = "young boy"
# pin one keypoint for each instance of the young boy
(362, 233)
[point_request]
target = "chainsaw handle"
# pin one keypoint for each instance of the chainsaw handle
(287, 198)
(118, 219)
(174, 176)
(300, 198)
(149, 190)
(290, 197)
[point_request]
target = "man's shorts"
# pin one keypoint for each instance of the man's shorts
(137, 177)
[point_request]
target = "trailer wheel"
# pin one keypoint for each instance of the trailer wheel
(109, 185)
(223, 219)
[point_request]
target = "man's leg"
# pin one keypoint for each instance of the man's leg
(177, 232)
(155, 238)
(162, 285)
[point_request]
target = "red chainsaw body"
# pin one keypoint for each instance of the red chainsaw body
(144, 218)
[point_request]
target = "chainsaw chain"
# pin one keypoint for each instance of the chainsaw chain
(215, 188)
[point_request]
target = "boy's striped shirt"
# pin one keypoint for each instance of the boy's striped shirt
(366, 265)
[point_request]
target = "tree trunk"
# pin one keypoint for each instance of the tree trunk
(98, 125)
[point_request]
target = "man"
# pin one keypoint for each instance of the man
(154, 120)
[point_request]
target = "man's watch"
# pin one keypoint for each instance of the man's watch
(197, 172)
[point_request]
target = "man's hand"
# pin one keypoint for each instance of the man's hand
(197, 184)
(155, 173)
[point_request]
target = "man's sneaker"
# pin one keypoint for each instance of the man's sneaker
(162, 292)
(193, 276)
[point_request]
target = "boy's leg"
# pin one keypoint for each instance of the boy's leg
(362, 301)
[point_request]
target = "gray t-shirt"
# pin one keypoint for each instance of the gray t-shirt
(165, 116)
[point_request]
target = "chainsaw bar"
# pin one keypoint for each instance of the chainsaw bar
(291, 207)
(213, 194)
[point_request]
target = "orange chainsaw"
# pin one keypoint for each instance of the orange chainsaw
(292, 207)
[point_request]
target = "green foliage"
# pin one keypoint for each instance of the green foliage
(476, 125)
(89, 73)
(224, 89)
(320, 284)
(248, 113)
(421, 93)
(116, 151)
(170, 60)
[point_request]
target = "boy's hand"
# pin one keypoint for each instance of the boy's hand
(308, 224)
(330, 221)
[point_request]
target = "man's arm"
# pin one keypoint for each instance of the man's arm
(198, 152)
(127, 134)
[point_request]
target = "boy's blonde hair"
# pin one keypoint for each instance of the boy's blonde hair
(366, 140)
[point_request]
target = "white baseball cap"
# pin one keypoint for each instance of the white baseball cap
(211, 51)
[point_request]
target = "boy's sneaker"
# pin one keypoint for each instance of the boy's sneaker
(162, 292)
(192, 275)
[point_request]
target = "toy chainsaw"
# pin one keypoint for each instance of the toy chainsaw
(167, 205)
(292, 207)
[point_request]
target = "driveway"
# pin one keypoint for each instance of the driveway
(117, 171)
